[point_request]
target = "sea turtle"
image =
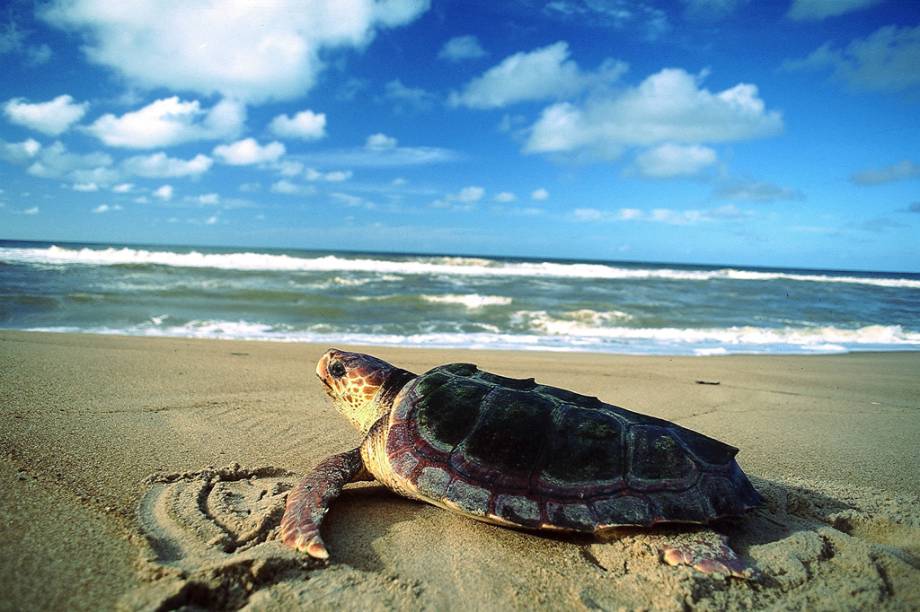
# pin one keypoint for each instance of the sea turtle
(519, 454)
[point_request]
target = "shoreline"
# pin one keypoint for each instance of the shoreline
(829, 348)
(87, 418)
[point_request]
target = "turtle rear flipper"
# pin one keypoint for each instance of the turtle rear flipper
(707, 552)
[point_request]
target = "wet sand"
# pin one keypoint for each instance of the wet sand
(148, 473)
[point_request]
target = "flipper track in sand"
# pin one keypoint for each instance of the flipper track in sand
(210, 540)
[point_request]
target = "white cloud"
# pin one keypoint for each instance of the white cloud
(886, 60)
(757, 191)
(13, 38)
(814, 10)
(461, 48)
(539, 195)
(85, 187)
(380, 142)
(53, 117)
(353, 201)
(289, 168)
(208, 199)
(38, 54)
(288, 188)
(470, 194)
(903, 170)
(169, 121)
(631, 17)
(305, 125)
(31, 211)
(250, 187)
(710, 10)
(249, 51)
(667, 216)
(668, 106)
(381, 152)
(336, 176)
(462, 200)
(404, 97)
(158, 165)
(542, 74)
(18, 152)
(163, 192)
(247, 151)
(55, 161)
(104, 208)
(505, 196)
(123, 188)
(671, 160)
(212, 220)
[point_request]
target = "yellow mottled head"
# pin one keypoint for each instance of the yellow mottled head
(361, 386)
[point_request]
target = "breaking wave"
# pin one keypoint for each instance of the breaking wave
(445, 266)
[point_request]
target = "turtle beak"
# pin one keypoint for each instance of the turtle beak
(329, 389)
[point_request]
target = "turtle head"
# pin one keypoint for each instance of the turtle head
(361, 386)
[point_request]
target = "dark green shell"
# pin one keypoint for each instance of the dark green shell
(541, 456)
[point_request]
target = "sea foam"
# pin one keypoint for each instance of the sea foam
(438, 266)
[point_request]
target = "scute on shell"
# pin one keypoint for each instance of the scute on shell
(540, 456)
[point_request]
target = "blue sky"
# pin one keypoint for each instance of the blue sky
(721, 131)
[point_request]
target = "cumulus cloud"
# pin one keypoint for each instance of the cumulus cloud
(669, 106)
(381, 151)
(158, 165)
(123, 188)
(886, 60)
(335, 176)
(505, 197)
(462, 200)
(288, 188)
(407, 98)
(18, 152)
(460, 48)
(166, 45)
(31, 211)
(104, 208)
(637, 17)
(168, 122)
(815, 10)
(305, 125)
(757, 191)
(380, 142)
(539, 195)
(13, 40)
(247, 152)
(900, 171)
(53, 117)
(710, 10)
(667, 216)
(207, 199)
(671, 160)
(163, 192)
(472, 193)
(55, 161)
(543, 74)
(85, 187)
(353, 201)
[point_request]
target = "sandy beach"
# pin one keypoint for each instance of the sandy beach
(148, 473)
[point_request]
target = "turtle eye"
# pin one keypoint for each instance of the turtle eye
(337, 369)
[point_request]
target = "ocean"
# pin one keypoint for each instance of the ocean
(452, 302)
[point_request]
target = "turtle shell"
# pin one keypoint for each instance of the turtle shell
(537, 456)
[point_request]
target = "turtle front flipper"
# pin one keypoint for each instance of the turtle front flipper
(308, 502)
